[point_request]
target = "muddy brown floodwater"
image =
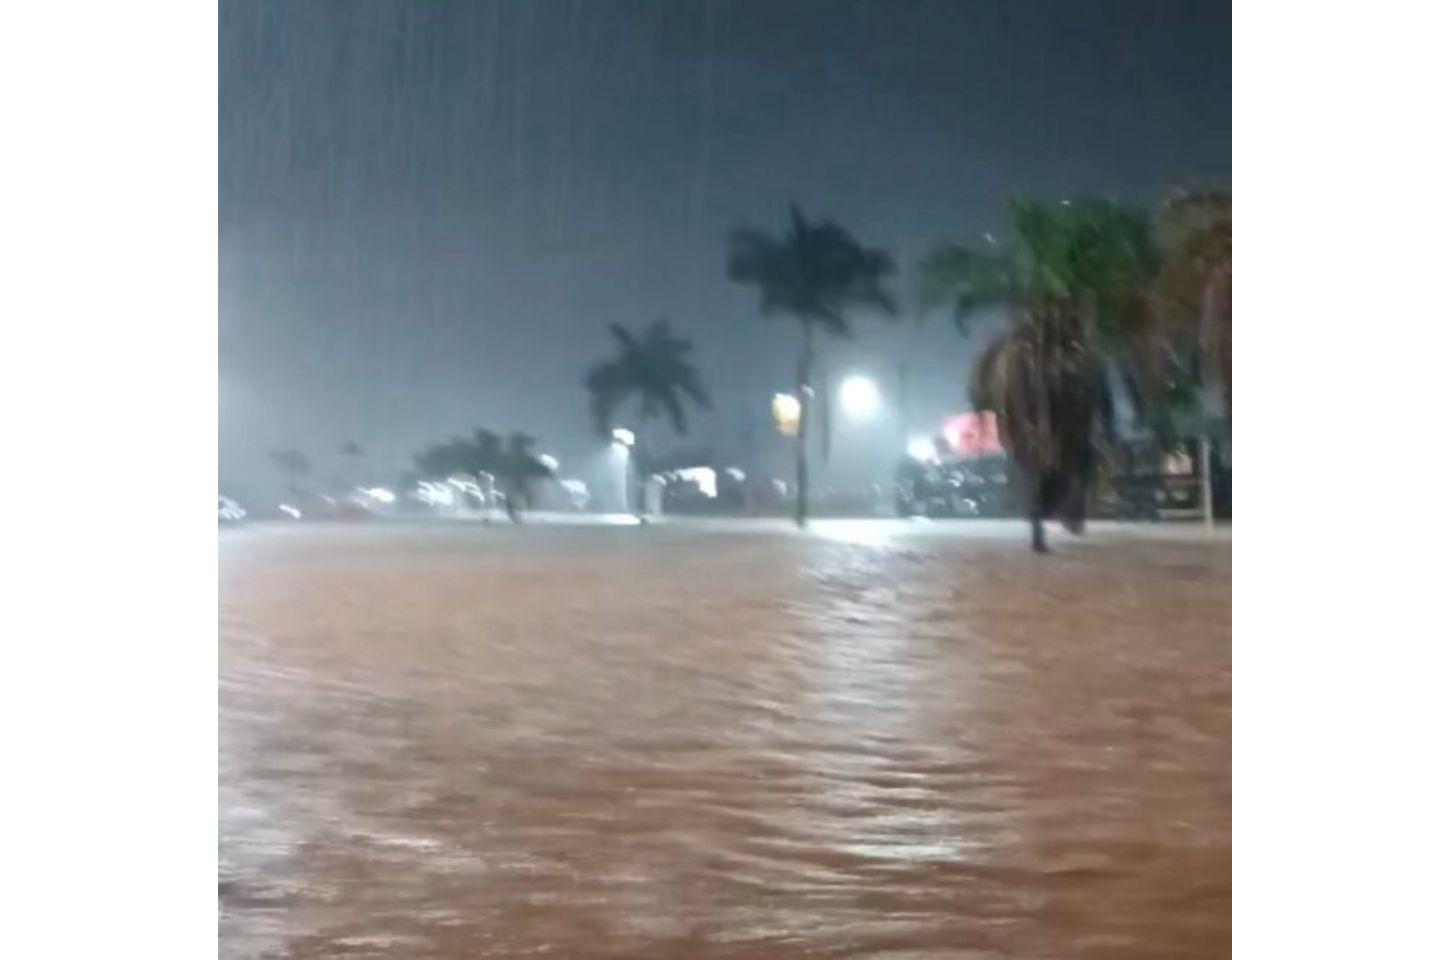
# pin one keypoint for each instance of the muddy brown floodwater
(468, 741)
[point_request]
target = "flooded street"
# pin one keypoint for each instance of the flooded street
(485, 741)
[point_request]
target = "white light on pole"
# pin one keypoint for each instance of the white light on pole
(859, 397)
(785, 408)
(624, 443)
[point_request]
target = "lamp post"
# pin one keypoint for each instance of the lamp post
(623, 440)
(785, 409)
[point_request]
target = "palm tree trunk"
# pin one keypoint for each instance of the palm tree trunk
(803, 395)
(641, 459)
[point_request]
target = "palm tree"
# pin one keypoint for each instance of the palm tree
(512, 463)
(445, 459)
(517, 465)
(655, 370)
(1072, 277)
(294, 466)
(816, 273)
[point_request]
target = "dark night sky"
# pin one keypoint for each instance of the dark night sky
(429, 210)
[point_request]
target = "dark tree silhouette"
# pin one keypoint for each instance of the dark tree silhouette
(517, 467)
(816, 274)
(656, 372)
(512, 464)
(1072, 277)
(654, 369)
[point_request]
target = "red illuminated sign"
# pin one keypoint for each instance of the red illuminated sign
(972, 434)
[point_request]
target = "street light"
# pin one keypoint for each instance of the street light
(623, 442)
(786, 409)
(859, 397)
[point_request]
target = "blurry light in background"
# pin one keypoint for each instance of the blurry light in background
(859, 396)
(921, 448)
(435, 494)
(972, 434)
(702, 477)
(872, 533)
(290, 510)
(786, 409)
(381, 494)
(578, 492)
(623, 437)
(548, 461)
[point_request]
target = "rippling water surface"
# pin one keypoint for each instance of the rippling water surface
(469, 741)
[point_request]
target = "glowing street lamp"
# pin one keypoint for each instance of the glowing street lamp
(785, 408)
(624, 443)
(859, 397)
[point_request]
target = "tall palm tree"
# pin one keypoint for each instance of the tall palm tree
(653, 370)
(1071, 276)
(816, 273)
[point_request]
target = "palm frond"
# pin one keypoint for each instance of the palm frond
(966, 280)
(816, 271)
(654, 368)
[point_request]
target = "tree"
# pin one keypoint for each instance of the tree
(517, 466)
(655, 370)
(816, 273)
(1072, 277)
(512, 463)
(294, 466)
(443, 460)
